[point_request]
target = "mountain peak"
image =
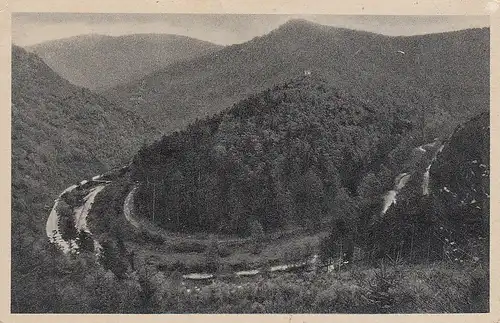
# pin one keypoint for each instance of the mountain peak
(299, 24)
(306, 27)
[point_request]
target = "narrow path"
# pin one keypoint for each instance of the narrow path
(142, 223)
(52, 226)
(82, 212)
(426, 179)
(311, 262)
(402, 179)
(390, 197)
(128, 207)
(79, 215)
(128, 211)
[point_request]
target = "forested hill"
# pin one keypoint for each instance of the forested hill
(61, 134)
(99, 62)
(287, 156)
(447, 71)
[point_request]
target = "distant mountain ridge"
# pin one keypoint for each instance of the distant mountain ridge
(444, 72)
(99, 62)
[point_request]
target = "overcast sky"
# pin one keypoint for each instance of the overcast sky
(32, 28)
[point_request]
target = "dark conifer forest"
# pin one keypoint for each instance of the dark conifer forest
(279, 157)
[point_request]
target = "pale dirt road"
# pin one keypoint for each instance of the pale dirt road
(80, 217)
(128, 207)
(82, 212)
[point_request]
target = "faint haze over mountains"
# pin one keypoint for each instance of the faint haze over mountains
(32, 28)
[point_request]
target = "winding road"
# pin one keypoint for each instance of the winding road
(402, 179)
(128, 208)
(128, 211)
(52, 226)
(79, 215)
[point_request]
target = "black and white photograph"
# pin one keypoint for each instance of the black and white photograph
(181, 163)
